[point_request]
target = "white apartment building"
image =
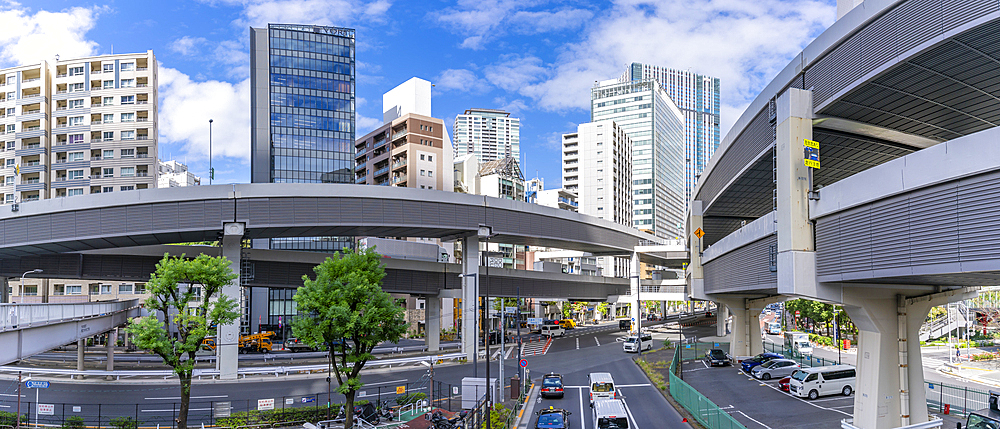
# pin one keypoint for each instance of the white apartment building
(173, 174)
(656, 127)
(488, 134)
(597, 167)
(697, 97)
(76, 127)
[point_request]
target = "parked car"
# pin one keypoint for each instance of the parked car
(774, 368)
(717, 357)
(783, 383)
(624, 324)
(823, 380)
(748, 364)
(552, 386)
(632, 342)
(552, 418)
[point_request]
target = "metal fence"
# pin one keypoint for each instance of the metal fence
(16, 316)
(161, 412)
(704, 410)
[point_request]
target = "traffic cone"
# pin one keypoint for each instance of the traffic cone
(684, 420)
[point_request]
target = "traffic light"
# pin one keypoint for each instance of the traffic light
(211, 174)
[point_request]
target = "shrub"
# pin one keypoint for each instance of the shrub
(7, 418)
(410, 398)
(246, 418)
(124, 423)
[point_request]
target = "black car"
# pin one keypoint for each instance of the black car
(717, 357)
(552, 418)
(552, 386)
(624, 324)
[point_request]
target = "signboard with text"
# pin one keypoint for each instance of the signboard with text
(47, 409)
(265, 404)
(811, 154)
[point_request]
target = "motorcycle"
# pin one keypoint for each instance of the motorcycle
(440, 422)
(384, 411)
(367, 413)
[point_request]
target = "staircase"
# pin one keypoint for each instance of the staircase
(951, 321)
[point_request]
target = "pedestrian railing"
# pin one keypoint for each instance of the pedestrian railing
(20, 316)
(703, 410)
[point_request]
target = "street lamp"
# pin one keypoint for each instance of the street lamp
(211, 171)
(836, 333)
(34, 271)
(475, 344)
(486, 232)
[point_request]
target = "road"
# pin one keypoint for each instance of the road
(583, 350)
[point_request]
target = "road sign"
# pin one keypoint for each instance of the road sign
(454, 390)
(511, 310)
(265, 404)
(400, 390)
(306, 399)
(33, 384)
(534, 320)
(796, 312)
(47, 409)
(523, 363)
(221, 409)
(699, 233)
(811, 153)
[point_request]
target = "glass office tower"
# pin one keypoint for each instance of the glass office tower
(302, 112)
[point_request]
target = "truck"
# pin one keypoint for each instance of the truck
(986, 418)
(258, 343)
(402, 249)
(798, 343)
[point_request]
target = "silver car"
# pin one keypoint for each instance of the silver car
(775, 368)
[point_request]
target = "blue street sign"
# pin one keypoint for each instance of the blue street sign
(32, 384)
(523, 363)
(308, 399)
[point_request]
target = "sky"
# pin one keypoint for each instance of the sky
(534, 58)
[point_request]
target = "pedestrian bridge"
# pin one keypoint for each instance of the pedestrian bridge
(29, 329)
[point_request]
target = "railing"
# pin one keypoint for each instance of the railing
(382, 170)
(703, 410)
(17, 316)
(36, 79)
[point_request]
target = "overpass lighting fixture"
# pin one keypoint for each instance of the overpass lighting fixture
(485, 231)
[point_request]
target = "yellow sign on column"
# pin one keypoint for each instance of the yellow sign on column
(699, 233)
(400, 390)
(811, 155)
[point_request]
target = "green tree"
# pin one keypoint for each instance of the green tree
(346, 309)
(602, 307)
(172, 295)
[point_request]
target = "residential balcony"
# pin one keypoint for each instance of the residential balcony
(382, 171)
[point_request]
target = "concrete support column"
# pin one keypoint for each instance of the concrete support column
(721, 314)
(746, 334)
(81, 344)
(538, 309)
(634, 284)
(470, 296)
(432, 323)
(227, 349)
(4, 291)
(112, 339)
(695, 273)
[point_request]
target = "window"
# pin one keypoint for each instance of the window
(74, 174)
(130, 83)
(430, 173)
(74, 138)
(9, 180)
(74, 87)
(128, 135)
(128, 117)
(29, 290)
(125, 288)
(108, 154)
(422, 158)
(196, 290)
(128, 188)
(127, 172)
(108, 68)
(140, 288)
(109, 136)
(74, 289)
(76, 71)
(107, 189)
(109, 84)
(422, 172)
(431, 158)
(128, 153)
(75, 120)
(11, 110)
(74, 156)
(10, 163)
(9, 198)
(11, 145)
(109, 118)
(11, 128)
(109, 101)
(108, 172)
(74, 104)
(105, 289)
(130, 67)
(74, 192)
(128, 99)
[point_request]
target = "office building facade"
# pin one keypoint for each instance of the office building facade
(173, 174)
(656, 127)
(487, 134)
(302, 113)
(697, 97)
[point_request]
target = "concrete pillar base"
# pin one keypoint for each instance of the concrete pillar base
(721, 314)
(432, 323)
(227, 349)
(470, 297)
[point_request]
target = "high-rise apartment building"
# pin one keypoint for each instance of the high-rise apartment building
(488, 134)
(174, 174)
(406, 152)
(656, 127)
(697, 97)
(597, 167)
(80, 126)
(302, 112)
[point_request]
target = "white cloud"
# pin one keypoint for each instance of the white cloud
(29, 38)
(481, 21)
(187, 105)
(743, 43)
(187, 45)
(365, 125)
(339, 13)
(461, 80)
(516, 72)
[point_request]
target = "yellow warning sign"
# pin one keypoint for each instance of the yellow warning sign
(699, 233)
(812, 164)
(811, 143)
(400, 390)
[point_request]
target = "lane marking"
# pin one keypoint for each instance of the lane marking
(577, 346)
(583, 423)
(633, 385)
(193, 397)
(629, 412)
(752, 419)
(12, 394)
(598, 341)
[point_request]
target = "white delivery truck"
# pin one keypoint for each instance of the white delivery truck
(798, 343)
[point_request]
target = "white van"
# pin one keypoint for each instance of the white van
(822, 381)
(631, 343)
(610, 414)
(553, 330)
(602, 386)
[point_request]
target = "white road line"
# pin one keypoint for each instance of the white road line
(582, 422)
(844, 406)
(629, 412)
(751, 418)
(598, 342)
(631, 385)
(577, 347)
(810, 402)
(193, 397)
(818, 400)
(702, 362)
(23, 396)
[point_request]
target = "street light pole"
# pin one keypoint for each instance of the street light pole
(211, 171)
(34, 271)
(836, 328)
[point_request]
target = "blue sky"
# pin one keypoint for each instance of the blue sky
(535, 58)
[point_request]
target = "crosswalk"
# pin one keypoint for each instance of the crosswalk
(531, 348)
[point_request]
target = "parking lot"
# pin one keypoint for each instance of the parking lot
(761, 404)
